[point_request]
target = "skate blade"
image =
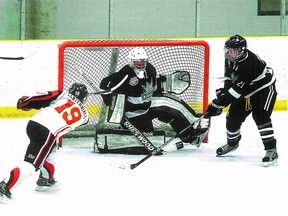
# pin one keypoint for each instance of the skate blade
(4, 199)
(52, 188)
(219, 154)
(271, 163)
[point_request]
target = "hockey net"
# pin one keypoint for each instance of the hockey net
(88, 62)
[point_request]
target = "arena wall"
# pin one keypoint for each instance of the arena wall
(38, 72)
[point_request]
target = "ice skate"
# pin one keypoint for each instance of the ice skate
(270, 158)
(226, 149)
(47, 185)
(5, 194)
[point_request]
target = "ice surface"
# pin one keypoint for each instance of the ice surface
(192, 181)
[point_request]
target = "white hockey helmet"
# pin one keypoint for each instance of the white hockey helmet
(137, 59)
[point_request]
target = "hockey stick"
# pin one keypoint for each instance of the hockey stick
(139, 135)
(100, 92)
(89, 81)
(12, 58)
(18, 57)
(155, 151)
(108, 91)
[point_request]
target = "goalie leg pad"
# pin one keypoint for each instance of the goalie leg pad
(122, 141)
(167, 107)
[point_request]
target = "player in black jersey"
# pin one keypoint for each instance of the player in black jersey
(142, 99)
(138, 83)
(249, 87)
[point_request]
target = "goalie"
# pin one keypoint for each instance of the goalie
(141, 96)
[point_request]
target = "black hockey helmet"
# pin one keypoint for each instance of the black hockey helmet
(235, 47)
(79, 91)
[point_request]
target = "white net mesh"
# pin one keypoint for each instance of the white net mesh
(89, 62)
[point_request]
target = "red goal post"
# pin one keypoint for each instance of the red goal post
(91, 61)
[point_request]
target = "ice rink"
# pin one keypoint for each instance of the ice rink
(192, 181)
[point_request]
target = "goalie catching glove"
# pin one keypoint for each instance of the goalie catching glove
(176, 82)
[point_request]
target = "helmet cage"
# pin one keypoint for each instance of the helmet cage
(235, 47)
(233, 53)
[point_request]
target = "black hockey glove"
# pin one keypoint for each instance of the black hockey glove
(162, 78)
(220, 94)
(223, 97)
(107, 99)
(22, 103)
(214, 108)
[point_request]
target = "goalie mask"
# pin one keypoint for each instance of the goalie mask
(79, 91)
(137, 59)
(235, 48)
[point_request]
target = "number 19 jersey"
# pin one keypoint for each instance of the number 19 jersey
(64, 114)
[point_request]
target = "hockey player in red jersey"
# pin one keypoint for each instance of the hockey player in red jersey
(249, 87)
(143, 98)
(61, 112)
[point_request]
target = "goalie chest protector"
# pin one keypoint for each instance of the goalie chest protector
(122, 141)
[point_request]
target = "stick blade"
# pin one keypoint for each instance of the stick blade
(11, 58)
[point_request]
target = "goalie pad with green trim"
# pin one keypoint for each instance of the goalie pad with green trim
(176, 82)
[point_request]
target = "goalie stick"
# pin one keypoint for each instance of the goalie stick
(156, 150)
(139, 136)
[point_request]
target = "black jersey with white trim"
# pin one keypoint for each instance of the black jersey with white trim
(245, 77)
(138, 91)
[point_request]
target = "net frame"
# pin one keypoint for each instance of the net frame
(121, 44)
